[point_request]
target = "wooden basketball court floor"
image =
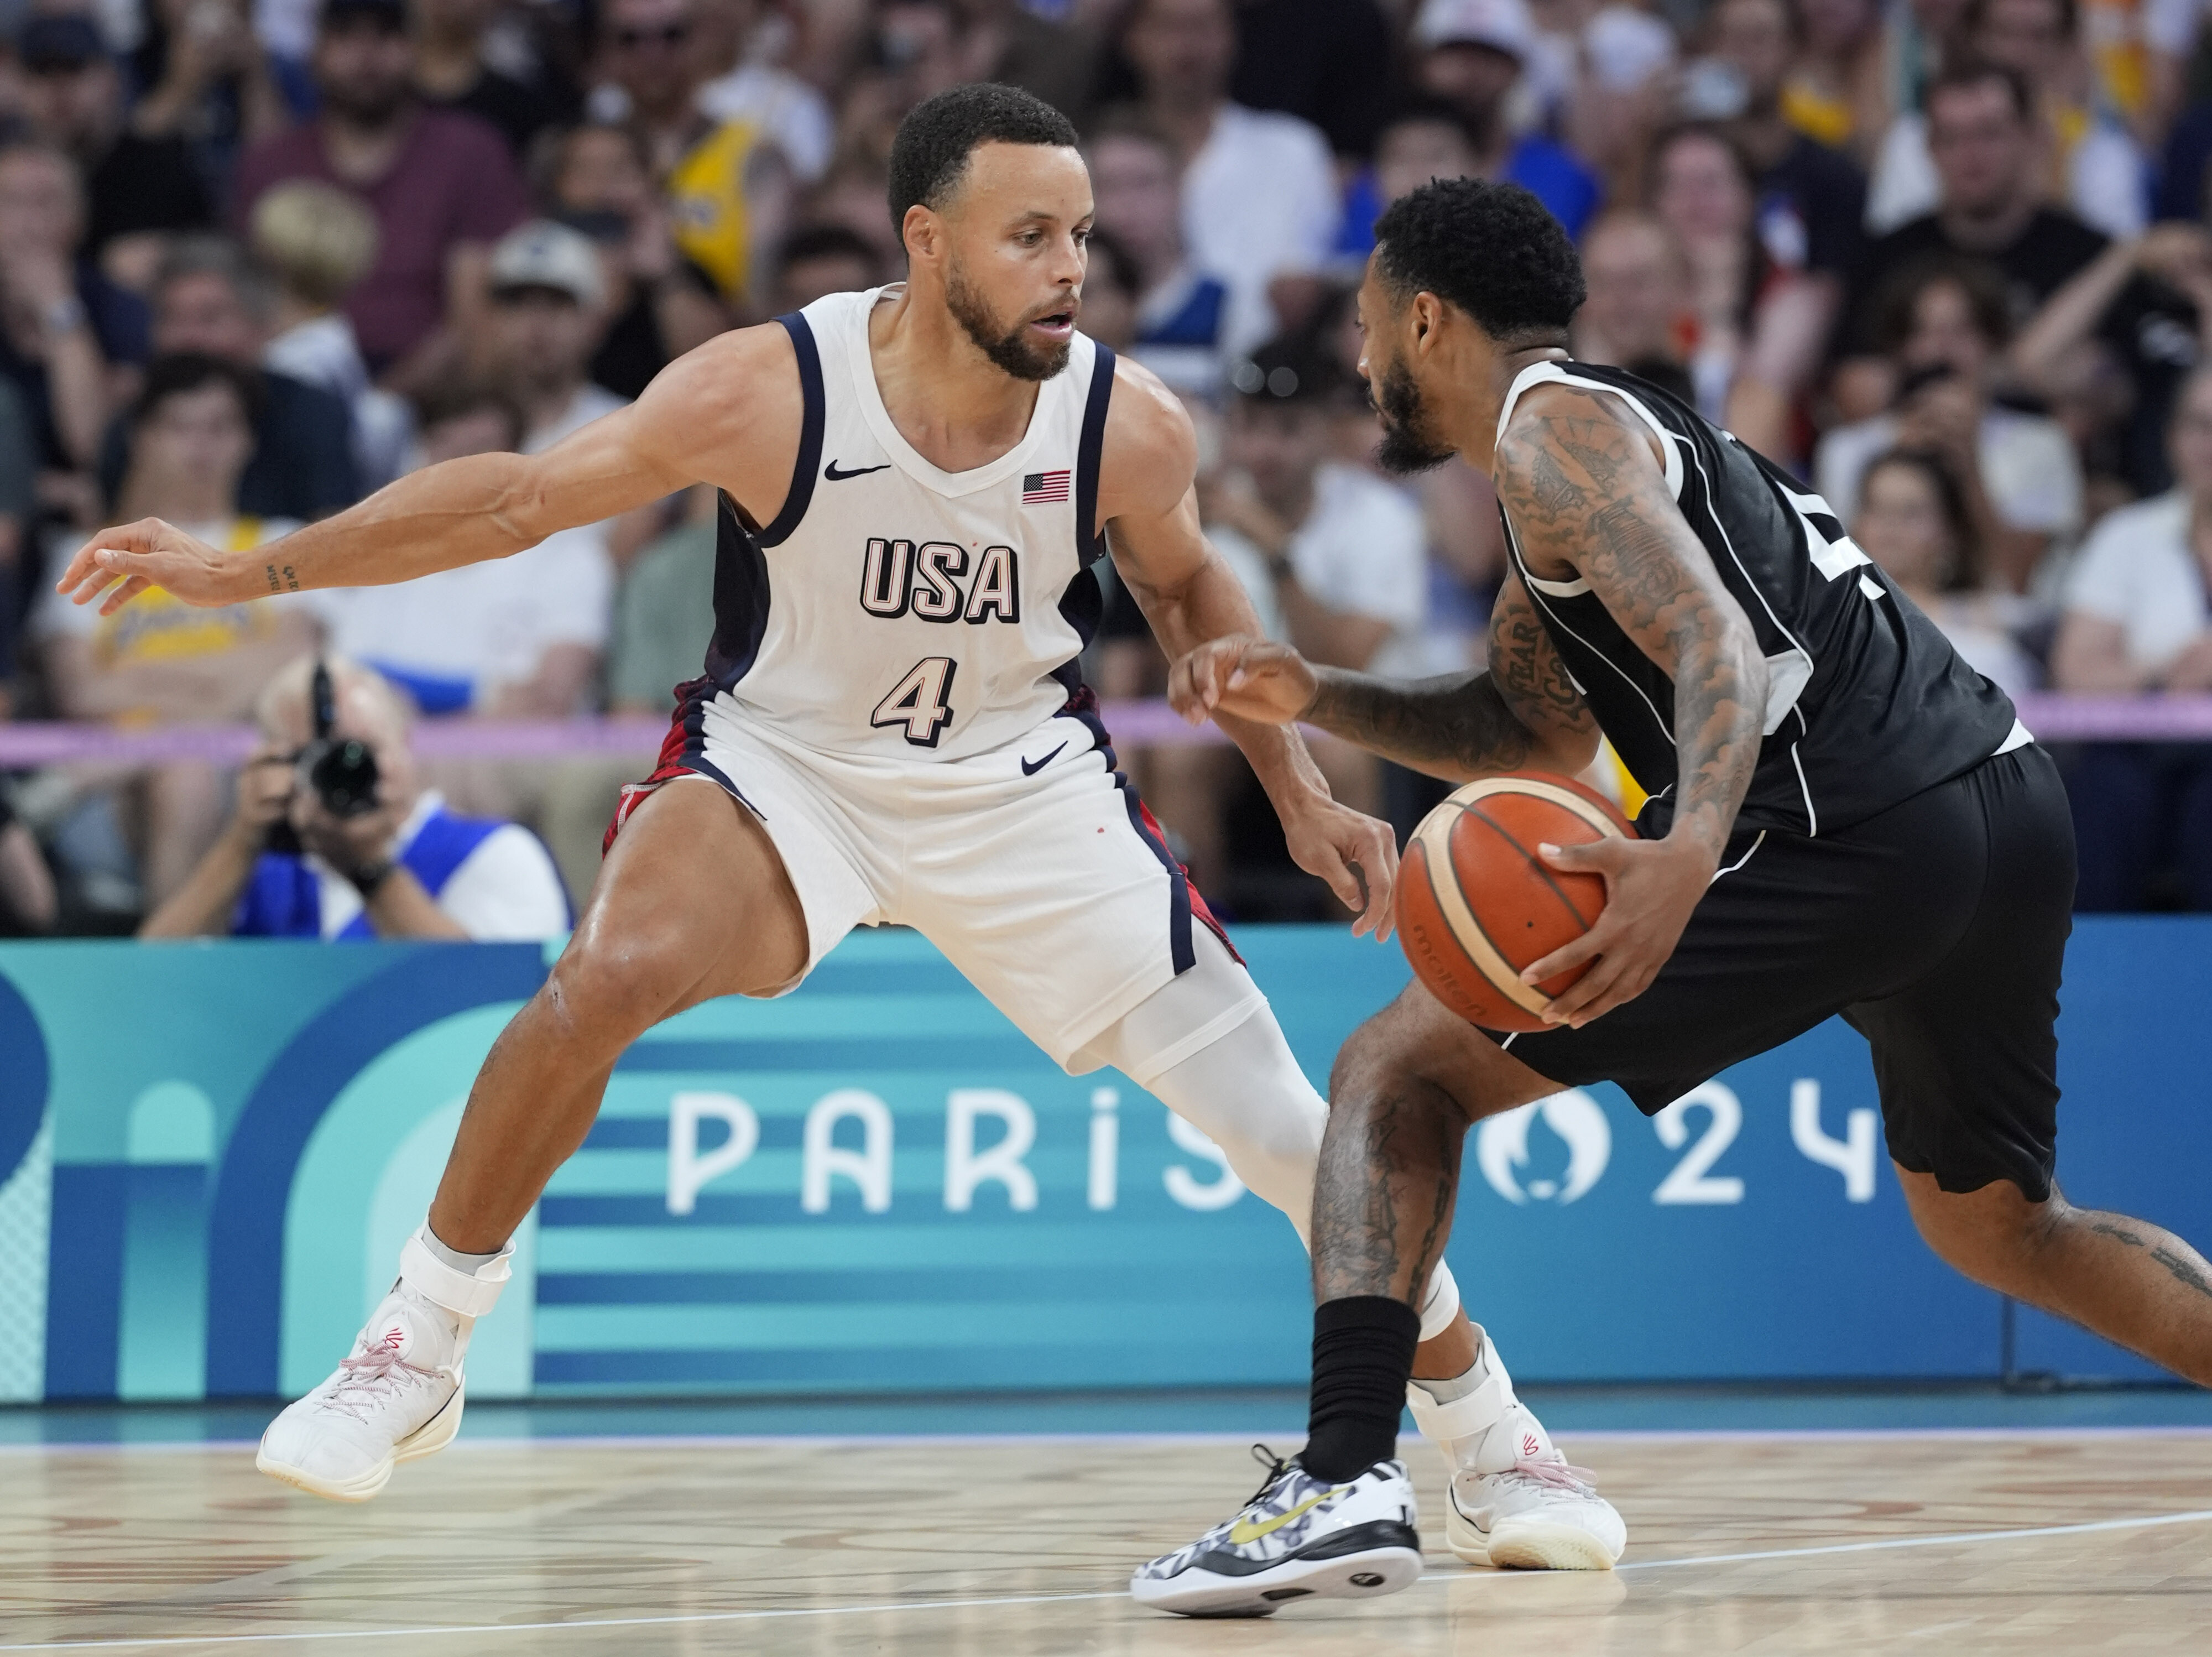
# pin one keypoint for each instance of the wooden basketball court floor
(2069, 1541)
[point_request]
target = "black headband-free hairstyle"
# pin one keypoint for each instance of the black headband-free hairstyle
(939, 134)
(1493, 250)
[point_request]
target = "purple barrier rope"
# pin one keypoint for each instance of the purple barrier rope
(28, 746)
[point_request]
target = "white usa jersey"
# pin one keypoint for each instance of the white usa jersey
(895, 610)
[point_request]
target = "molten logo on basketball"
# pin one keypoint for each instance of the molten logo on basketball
(1501, 1147)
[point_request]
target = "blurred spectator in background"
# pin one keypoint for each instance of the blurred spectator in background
(1982, 135)
(662, 623)
(661, 303)
(407, 867)
(1758, 331)
(517, 637)
(28, 900)
(203, 77)
(20, 569)
(2143, 307)
(66, 333)
(1051, 51)
(1182, 313)
(317, 242)
(1837, 93)
(1811, 198)
(2137, 620)
(1328, 62)
(1109, 292)
(441, 185)
(1637, 316)
(136, 185)
(2082, 158)
(741, 86)
(209, 298)
(1468, 56)
(1914, 520)
(1260, 207)
(824, 258)
(728, 192)
(159, 662)
(1943, 324)
(452, 72)
(548, 312)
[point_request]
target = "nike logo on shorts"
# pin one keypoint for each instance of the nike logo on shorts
(1028, 769)
(836, 476)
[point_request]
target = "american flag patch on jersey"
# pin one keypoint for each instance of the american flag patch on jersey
(1043, 487)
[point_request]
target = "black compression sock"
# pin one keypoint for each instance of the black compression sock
(1363, 1354)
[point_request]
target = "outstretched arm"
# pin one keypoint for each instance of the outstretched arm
(1583, 488)
(1523, 712)
(728, 414)
(1189, 596)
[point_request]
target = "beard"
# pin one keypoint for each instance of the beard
(1407, 446)
(1009, 348)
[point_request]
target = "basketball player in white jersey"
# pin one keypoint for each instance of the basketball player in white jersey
(890, 730)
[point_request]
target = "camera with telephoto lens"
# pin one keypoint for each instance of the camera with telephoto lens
(340, 772)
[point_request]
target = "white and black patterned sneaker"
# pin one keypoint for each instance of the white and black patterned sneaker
(1299, 1538)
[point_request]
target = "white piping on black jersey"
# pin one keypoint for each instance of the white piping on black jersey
(1521, 567)
(1713, 511)
(1541, 374)
(1748, 853)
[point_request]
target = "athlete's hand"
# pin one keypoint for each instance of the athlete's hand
(124, 561)
(1356, 855)
(1651, 887)
(1245, 677)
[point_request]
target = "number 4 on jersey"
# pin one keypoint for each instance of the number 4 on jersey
(919, 702)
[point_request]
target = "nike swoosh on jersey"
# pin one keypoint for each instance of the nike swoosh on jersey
(1244, 1530)
(1028, 769)
(835, 476)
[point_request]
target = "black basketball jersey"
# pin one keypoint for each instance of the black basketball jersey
(1867, 702)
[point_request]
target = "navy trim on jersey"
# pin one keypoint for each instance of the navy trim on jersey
(801, 494)
(741, 597)
(1083, 706)
(1089, 541)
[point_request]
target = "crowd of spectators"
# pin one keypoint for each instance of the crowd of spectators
(1946, 261)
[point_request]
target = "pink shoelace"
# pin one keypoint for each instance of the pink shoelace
(1555, 1470)
(367, 1377)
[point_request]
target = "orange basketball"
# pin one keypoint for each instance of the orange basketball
(1476, 905)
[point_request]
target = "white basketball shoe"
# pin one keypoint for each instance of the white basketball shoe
(398, 1396)
(1513, 1500)
(1299, 1538)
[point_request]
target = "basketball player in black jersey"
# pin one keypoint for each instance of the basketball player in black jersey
(1844, 819)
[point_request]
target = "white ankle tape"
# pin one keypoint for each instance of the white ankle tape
(1442, 1305)
(467, 1294)
(1467, 1416)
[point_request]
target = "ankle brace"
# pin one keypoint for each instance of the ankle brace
(1487, 1396)
(466, 1295)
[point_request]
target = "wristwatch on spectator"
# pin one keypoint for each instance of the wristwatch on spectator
(64, 315)
(370, 876)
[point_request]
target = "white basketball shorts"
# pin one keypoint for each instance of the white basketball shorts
(1035, 869)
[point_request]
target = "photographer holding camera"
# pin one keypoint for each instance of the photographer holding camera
(334, 836)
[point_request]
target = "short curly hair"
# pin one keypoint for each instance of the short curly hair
(939, 135)
(1491, 249)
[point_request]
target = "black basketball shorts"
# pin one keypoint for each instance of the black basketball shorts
(1936, 928)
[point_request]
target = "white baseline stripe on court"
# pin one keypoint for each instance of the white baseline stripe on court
(1958, 1538)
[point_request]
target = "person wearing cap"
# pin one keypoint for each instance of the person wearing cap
(1469, 55)
(1260, 198)
(442, 184)
(137, 185)
(549, 294)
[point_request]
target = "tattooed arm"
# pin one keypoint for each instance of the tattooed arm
(1584, 489)
(1524, 712)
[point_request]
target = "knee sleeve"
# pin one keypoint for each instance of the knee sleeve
(1245, 1092)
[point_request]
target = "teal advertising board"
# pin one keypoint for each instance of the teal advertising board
(209, 1155)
